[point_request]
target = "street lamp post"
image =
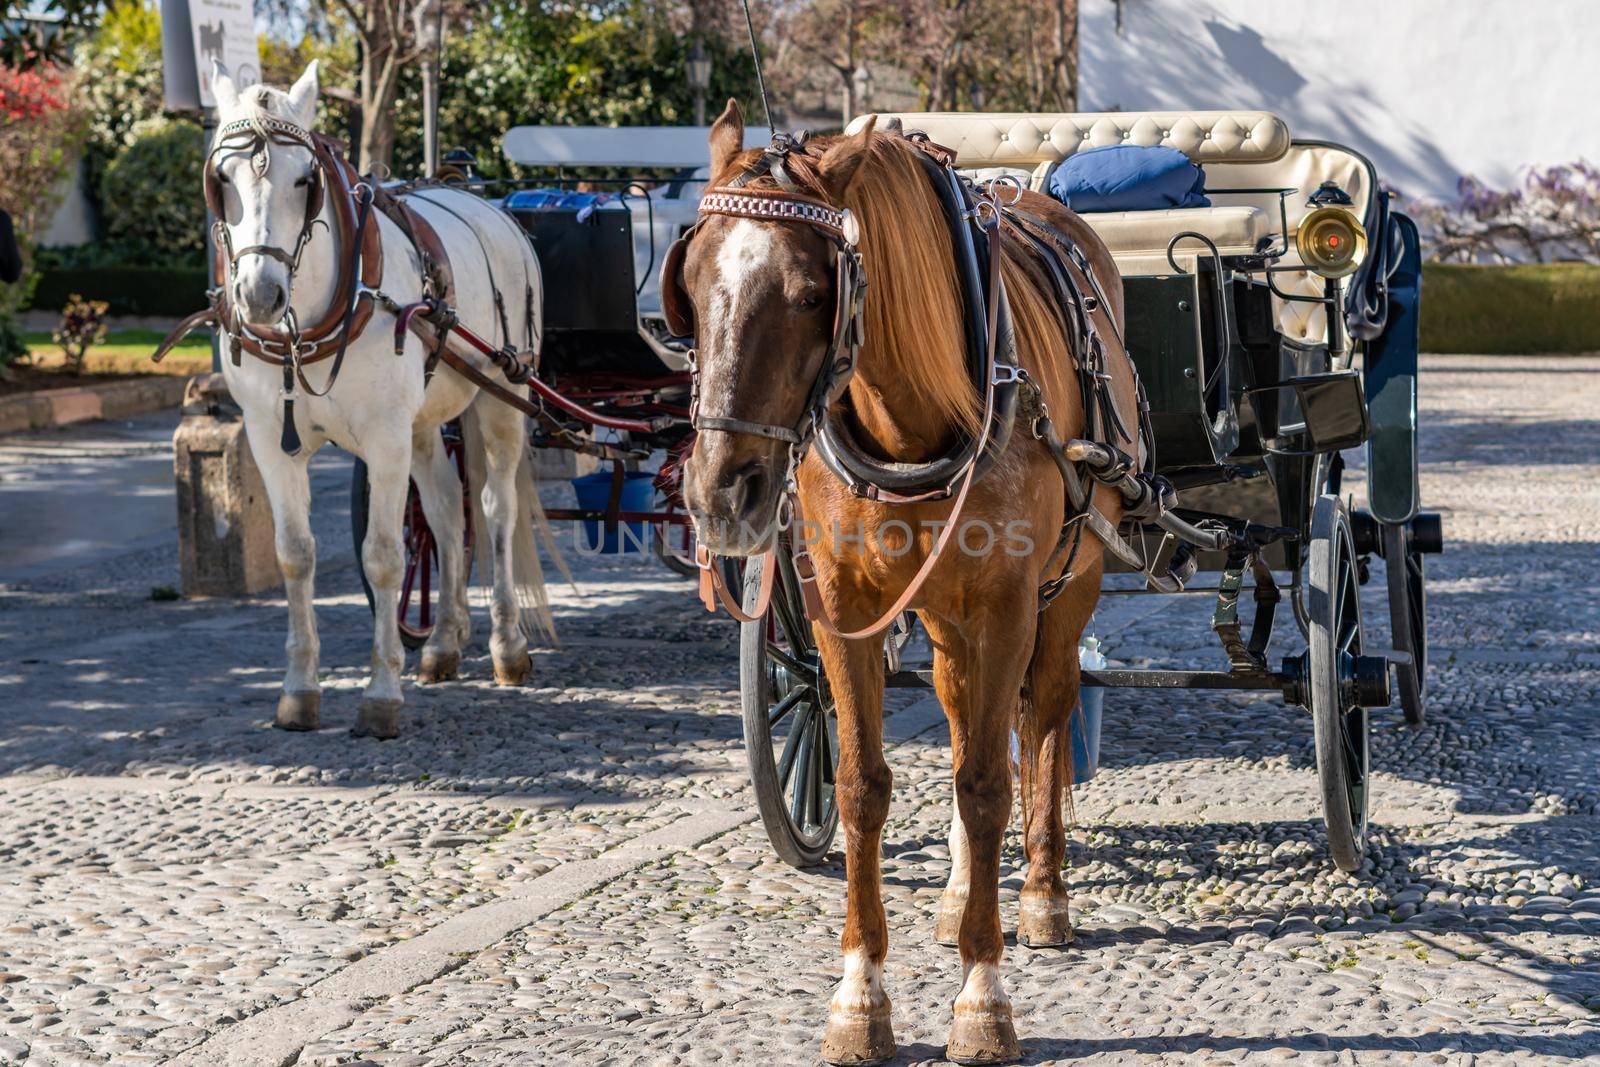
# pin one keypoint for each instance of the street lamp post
(699, 78)
(863, 84)
(430, 33)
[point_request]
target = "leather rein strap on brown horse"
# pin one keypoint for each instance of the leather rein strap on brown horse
(789, 204)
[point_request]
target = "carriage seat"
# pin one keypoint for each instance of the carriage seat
(1027, 145)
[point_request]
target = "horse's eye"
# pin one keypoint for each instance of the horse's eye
(222, 177)
(810, 302)
(303, 182)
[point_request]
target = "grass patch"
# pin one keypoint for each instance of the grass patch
(128, 352)
(1515, 310)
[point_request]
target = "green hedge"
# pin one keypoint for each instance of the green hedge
(129, 290)
(1531, 307)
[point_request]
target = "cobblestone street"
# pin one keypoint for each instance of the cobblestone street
(573, 872)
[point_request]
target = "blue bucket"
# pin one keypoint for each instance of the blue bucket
(1085, 721)
(638, 494)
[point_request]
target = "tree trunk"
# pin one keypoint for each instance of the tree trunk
(1065, 62)
(380, 85)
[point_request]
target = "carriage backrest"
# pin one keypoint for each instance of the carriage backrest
(1036, 141)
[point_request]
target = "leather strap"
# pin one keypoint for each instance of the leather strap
(805, 566)
(713, 589)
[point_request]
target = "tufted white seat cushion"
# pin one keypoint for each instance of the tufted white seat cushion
(1026, 140)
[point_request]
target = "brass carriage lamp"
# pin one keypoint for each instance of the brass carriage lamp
(1331, 240)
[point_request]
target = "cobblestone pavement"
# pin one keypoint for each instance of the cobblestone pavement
(571, 872)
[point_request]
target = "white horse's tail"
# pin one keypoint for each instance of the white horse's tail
(526, 571)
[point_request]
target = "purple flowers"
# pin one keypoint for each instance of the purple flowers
(1552, 215)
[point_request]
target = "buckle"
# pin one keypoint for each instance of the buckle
(1008, 374)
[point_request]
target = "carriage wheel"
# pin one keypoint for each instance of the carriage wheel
(790, 732)
(677, 557)
(418, 592)
(1408, 615)
(1337, 708)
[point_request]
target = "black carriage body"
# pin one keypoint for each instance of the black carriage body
(591, 323)
(1215, 368)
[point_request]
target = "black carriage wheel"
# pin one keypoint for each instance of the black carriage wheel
(790, 732)
(1339, 719)
(418, 582)
(1408, 617)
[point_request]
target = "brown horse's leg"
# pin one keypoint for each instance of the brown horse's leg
(1046, 746)
(979, 667)
(859, 1029)
(947, 931)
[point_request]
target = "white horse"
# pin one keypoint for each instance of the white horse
(381, 408)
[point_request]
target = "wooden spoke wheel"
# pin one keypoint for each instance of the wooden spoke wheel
(1408, 617)
(1332, 687)
(419, 582)
(790, 730)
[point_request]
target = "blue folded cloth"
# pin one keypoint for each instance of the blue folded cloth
(1127, 177)
(564, 199)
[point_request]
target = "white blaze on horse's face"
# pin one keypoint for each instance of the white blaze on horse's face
(747, 250)
(264, 196)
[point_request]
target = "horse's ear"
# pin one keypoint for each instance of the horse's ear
(838, 165)
(303, 96)
(676, 307)
(222, 87)
(727, 137)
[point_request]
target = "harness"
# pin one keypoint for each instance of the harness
(977, 219)
(334, 184)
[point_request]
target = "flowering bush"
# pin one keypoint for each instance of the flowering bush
(39, 131)
(1554, 214)
(83, 325)
(31, 95)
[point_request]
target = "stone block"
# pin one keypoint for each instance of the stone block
(225, 535)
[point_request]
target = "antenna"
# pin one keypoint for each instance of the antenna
(755, 52)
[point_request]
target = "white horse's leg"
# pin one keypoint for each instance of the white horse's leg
(503, 437)
(439, 486)
(389, 472)
(289, 493)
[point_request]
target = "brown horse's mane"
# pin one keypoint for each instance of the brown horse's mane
(914, 333)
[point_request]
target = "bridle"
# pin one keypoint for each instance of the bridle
(290, 345)
(842, 231)
(259, 134)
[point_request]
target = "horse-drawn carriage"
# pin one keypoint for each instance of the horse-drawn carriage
(1270, 331)
(1189, 415)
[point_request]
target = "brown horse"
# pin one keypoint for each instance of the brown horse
(761, 292)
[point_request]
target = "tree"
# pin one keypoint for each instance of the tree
(838, 34)
(43, 32)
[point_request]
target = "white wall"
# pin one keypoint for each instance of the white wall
(1429, 89)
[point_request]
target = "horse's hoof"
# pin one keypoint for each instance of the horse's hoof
(299, 711)
(377, 718)
(982, 1037)
(947, 931)
(1043, 922)
(515, 671)
(438, 667)
(854, 1038)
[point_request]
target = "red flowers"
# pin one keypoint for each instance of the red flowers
(30, 95)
